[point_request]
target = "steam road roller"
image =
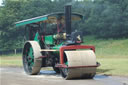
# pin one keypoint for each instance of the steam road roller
(50, 41)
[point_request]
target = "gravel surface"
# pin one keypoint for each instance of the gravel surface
(17, 76)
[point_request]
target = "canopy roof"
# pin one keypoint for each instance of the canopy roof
(49, 18)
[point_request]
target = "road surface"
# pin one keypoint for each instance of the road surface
(17, 76)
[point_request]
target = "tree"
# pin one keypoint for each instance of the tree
(107, 19)
(102, 18)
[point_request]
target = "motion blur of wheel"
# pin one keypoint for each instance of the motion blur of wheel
(31, 58)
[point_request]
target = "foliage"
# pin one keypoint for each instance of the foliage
(106, 18)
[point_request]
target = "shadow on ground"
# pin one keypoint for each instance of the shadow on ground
(53, 73)
(101, 71)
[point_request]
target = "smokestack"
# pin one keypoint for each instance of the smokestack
(68, 19)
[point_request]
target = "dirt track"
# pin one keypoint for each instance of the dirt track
(16, 76)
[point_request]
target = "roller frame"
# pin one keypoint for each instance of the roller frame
(62, 65)
(81, 64)
(65, 66)
(71, 48)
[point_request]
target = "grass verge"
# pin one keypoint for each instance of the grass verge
(108, 48)
(113, 66)
(11, 60)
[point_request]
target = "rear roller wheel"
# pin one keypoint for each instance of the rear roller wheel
(31, 58)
